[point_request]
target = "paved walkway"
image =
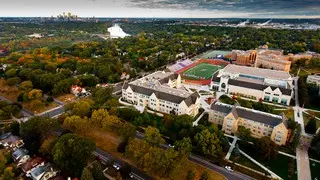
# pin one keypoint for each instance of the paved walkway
(274, 175)
(303, 166)
(231, 147)
(195, 123)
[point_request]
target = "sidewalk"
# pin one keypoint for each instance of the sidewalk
(195, 123)
(231, 147)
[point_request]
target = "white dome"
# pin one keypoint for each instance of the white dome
(116, 32)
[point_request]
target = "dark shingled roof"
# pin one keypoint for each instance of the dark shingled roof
(260, 87)
(166, 80)
(248, 114)
(164, 96)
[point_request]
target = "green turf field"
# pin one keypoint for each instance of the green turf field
(201, 71)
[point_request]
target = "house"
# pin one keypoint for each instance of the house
(261, 124)
(254, 83)
(12, 142)
(79, 91)
(124, 76)
(44, 172)
(20, 156)
(163, 92)
(32, 163)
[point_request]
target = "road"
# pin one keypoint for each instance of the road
(229, 175)
(25, 112)
(137, 174)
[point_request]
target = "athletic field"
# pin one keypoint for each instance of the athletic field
(201, 71)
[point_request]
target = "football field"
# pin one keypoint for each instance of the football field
(201, 71)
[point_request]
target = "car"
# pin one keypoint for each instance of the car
(172, 146)
(131, 175)
(228, 168)
(116, 166)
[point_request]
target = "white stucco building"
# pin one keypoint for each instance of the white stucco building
(254, 83)
(162, 92)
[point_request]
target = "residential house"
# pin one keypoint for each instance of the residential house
(20, 156)
(32, 163)
(44, 172)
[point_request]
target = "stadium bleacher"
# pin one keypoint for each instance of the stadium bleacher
(179, 65)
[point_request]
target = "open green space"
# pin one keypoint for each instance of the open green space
(246, 162)
(289, 113)
(201, 71)
(213, 54)
(307, 118)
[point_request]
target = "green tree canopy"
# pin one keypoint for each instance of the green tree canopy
(71, 152)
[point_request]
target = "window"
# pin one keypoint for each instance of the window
(266, 98)
(276, 94)
(284, 101)
(267, 93)
(275, 99)
(223, 85)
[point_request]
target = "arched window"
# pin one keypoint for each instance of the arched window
(223, 85)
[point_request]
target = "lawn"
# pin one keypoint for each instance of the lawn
(201, 71)
(314, 167)
(289, 113)
(66, 98)
(278, 165)
(246, 162)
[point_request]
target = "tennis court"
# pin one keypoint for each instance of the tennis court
(201, 71)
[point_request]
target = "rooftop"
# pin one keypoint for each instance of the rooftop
(254, 115)
(258, 72)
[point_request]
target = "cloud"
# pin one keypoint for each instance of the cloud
(308, 7)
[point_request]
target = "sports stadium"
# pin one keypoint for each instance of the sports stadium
(198, 72)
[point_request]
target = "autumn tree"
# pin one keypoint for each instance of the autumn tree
(153, 136)
(76, 123)
(82, 108)
(127, 131)
(26, 86)
(35, 94)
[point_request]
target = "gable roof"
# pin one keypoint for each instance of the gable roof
(31, 163)
(253, 115)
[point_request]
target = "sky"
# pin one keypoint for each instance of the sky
(163, 8)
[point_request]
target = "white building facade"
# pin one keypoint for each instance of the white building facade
(254, 83)
(162, 92)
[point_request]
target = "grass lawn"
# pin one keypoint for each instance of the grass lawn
(201, 71)
(246, 162)
(315, 167)
(289, 113)
(66, 98)
(316, 114)
(27, 105)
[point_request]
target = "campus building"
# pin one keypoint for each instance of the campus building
(163, 92)
(244, 58)
(261, 124)
(254, 83)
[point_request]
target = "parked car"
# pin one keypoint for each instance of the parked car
(228, 168)
(131, 175)
(116, 166)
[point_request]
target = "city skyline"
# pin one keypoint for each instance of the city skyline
(164, 8)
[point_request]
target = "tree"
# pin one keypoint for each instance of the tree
(101, 95)
(191, 175)
(26, 86)
(204, 175)
(244, 133)
(127, 131)
(11, 73)
(125, 171)
(8, 174)
(86, 174)
(75, 123)
(265, 148)
(184, 146)
(98, 116)
(82, 108)
(236, 151)
(35, 94)
(50, 67)
(71, 152)
(13, 81)
(153, 136)
(311, 126)
(47, 145)
(97, 171)
(37, 129)
(208, 143)
(15, 128)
